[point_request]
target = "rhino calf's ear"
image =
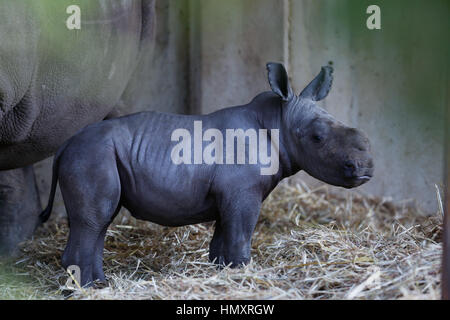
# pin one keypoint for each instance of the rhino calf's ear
(279, 81)
(318, 88)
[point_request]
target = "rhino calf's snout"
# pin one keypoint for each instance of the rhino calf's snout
(356, 170)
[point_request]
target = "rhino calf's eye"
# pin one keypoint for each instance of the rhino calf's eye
(316, 138)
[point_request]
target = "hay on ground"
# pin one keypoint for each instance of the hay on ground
(308, 244)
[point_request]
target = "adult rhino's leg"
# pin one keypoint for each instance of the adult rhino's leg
(19, 208)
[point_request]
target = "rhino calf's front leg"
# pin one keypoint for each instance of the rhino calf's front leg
(231, 243)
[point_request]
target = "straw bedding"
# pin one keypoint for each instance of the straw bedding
(308, 244)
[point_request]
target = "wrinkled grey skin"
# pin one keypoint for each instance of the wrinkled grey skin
(126, 162)
(54, 81)
(16, 224)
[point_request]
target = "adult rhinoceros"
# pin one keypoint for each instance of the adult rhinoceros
(55, 80)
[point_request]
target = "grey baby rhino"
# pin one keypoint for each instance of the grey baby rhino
(129, 162)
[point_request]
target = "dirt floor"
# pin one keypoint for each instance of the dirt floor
(308, 244)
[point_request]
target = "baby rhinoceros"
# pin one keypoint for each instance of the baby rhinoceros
(176, 170)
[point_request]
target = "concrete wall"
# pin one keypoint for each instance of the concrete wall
(231, 41)
(392, 83)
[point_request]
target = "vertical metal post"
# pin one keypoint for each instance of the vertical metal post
(446, 237)
(446, 225)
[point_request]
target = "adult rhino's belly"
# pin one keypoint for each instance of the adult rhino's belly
(40, 136)
(54, 81)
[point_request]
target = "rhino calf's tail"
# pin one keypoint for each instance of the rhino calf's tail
(48, 210)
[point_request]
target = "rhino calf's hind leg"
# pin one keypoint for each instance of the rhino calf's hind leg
(216, 254)
(97, 269)
(85, 245)
(91, 195)
(20, 207)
